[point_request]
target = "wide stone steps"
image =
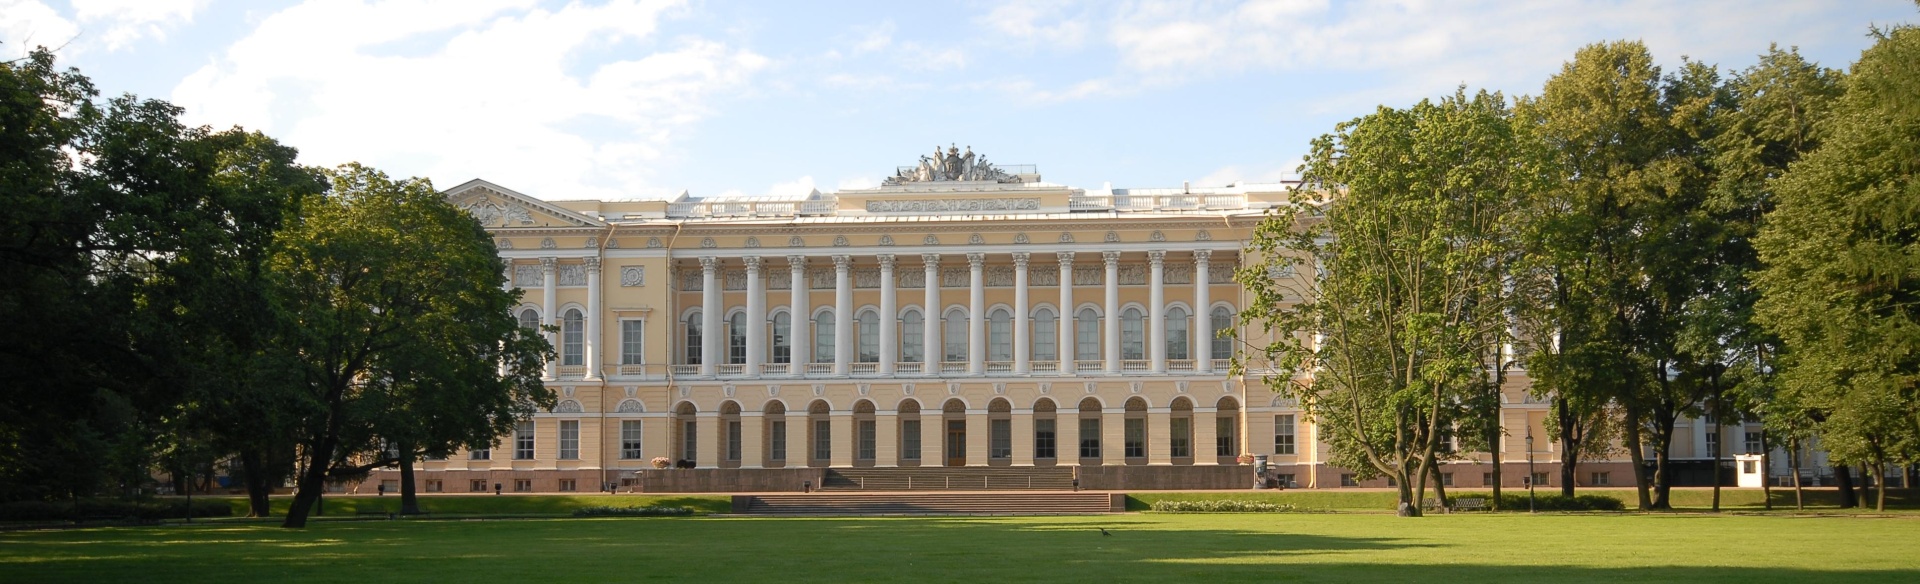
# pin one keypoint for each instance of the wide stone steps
(948, 479)
(930, 504)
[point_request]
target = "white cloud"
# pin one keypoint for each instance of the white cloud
(452, 91)
(796, 188)
(1039, 23)
(108, 24)
(858, 182)
(29, 23)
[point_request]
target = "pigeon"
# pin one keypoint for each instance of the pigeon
(1103, 531)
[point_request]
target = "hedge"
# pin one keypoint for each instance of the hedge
(1219, 506)
(112, 508)
(647, 511)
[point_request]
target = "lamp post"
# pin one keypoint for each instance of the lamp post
(1530, 474)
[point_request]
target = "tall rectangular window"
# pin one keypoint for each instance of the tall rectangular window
(1133, 335)
(632, 337)
(569, 440)
(523, 440)
(1222, 346)
(1001, 433)
(910, 439)
(737, 339)
(955, 344)
(999, 337)
(869, 339)
(1226, 436)
(782, 339)
(733, 440)
(1086, 333)
(1045, 443)
(867, 430)
(1713, 443)
(1046, 337)
(1180, 437)
(1089, 437)
(913, 331)
(1753, 443)
(777, 440)
(572, 338)
(630, 440)
(1136, 437)
(822, 441)
(1283, 434)
(689, 441)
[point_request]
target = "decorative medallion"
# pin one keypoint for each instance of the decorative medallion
(613, 243)
(795, 241)
(1113, 237)
(1046, 388)
(727, 390)
(886, 240)
(819, 390)
(1135, 386)
(930, 240)
(592, 242)
(548, 243)
(1157, 236)
(653, 242)
(840, 241)
(633, 276)
(753, 242)
(503, 243)
(1203, 235)
(1066, 238)
(707, 242)
(1020, 239)
(906, 388)
(976, 239)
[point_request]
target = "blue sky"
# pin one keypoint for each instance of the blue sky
(638, 99)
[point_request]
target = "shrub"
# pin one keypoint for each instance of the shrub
(1219, 506)
(647, 511)
(1511, 501)
(112, 508)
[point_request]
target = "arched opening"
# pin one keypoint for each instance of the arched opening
(1177, 334)
(823, 336)
(686, 435)
(1046, 434)
(1090, 432)
(690, 351)
(1133, 334)
(1180, 431)
(737, 338)
(999, 432)
(530, 319)
(865, 434)
(1134, 432)
(774, 421)
(913, 340)
(1000, 335)
(730, 435)
(955, 328)
(1221, 320)
(868, 324)
(1046, 335)
(1086, 335)
(911, 438)
(573, 337)
(782, 339)
(819, 434)
(1227, 431)
(954, 414)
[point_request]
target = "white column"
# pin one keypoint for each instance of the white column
(976, 314)
(549, 299)
(1021, 344)
(1066, 350)
(1113, 313)
(842, 314)
(756, 317)
(799, 335)
(930, 339)
(592, 344)
(711, 337)
(1157, 311)
(889, 317)
(1202, 313)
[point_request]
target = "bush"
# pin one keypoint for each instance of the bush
(1510, 501)
(647, 511)
(85, 509)
(1219, 506)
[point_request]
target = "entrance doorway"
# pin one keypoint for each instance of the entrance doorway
(956, 442)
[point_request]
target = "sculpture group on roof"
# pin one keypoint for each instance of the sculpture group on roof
(951, 165)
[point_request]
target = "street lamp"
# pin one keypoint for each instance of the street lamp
(1530, 474)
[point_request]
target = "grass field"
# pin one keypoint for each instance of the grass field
(1144, 547)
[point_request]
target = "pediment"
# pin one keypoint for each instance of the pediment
(496, 206)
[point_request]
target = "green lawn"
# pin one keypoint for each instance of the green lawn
(1144, 547)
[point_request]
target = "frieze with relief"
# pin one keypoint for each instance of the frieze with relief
(1219, 273)
(527, 276)
(573, 275)
(500, 214)
(1047, 277)
(736, 280)
(1088, 276)
(911, 278)
(953, 205)
(633, 276)
(999, 276)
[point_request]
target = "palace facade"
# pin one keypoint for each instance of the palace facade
(961, 314)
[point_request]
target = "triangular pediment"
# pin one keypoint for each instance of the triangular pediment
(498, 206)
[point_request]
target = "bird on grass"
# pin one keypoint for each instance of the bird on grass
(1103, 531)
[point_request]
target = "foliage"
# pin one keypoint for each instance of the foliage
(89, 509)
(646, 511)
(1220, 506)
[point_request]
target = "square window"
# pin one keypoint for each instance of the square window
(1601, 479)
(1540, 479)
(477, 485)
(910, 440)
(522, 485)
(1446, 479)
(433, 485)
(567, 485)
(481, 454)
(1346, 480)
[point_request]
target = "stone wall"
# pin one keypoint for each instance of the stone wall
(730, 480)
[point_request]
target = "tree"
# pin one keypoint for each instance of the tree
(400, 321)
(1402, 217)
(1841, 250)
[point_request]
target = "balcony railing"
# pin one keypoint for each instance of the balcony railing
(1145, 202)
(1089, 365)
(1222, 365)
(733, 369)
(907, 368)
(1045, 366)
(999, 366)
(1136, 365)
(710, 209)
(1179, 365)
(865, 368)
(819, 369)
(685, 370)
(953, 366)
(573, 371)
(774, 369)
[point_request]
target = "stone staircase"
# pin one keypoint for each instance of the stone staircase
(943, 478)
(975, 503)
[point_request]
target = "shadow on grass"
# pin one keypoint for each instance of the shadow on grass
(804, 550)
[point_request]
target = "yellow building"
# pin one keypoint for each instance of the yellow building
(959, 315)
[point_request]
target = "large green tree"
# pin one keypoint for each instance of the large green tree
(1402, 215)
(400, 326)
(1841, 286)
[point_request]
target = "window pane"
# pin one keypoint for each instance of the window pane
(822, 441)
(867, 440)
(572, 338)
(913, 330)
(733, 440)
(1133, 340)
(869, 338)
(1180, 437)
(693, 339)
(630, 439)
(1046, 335)
(632, 342)
(1090, 438)
(1044, 445)
(689, 441)
(1087, 335)
(1001, 432)
(530, 318)
(782, 338)
(777, 437)
(1222, 348)
(1226, 437)
(1136, 437)
(523, 441)
(569, 439)
(823, 337)
(1177, 333)
(956, 339)
(737, 339)
(1283, 434)
(1000, 336)
(910, 440)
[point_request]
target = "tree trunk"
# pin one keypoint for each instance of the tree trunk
(1766, 468)
(1719, 444)
(1494, 441)
(253, 472)
(1569, 445)
(1636, 452)
(1409, 506)
(1866, 482)
(1663, 461)
(1793, 465)
(409, 500)
(1880, 482)
(1440, 490)
(313, 480)
(1843, 477)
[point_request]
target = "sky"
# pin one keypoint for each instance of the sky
(637, 99)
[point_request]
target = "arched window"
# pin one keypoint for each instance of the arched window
(1046, 335)
(1000, 335)
(572, 337)
(823, 337)
(869, 337)
(782, 338)
(693, 338)
(737, 338)
(1222, 321)
(530, 318)
(1133, 337)
(956, 329)
(913, 341)
(1177, 333)
(1086, 334)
